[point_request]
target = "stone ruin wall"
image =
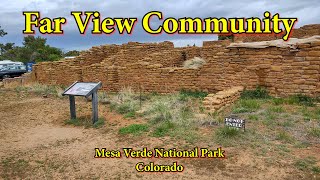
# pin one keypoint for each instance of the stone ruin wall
(158, 68)
(302, 32)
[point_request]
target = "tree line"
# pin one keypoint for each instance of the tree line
(34, 49)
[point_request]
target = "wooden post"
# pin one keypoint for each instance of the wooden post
(140, 94)
(94, 107)
(72, 107)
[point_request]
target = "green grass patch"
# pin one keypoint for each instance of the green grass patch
(258, 93)
(161, 112)
(284, 137)
(246, 105)
(278, 101)
(316, 169)
(135, 129)
(125, 108)
(163, 129)
(228, 132)
(253, 117)
(301, 99)
(228, 136)
(315, 132)
(303, 144)
(276, 109)
(306, 163)
(131, 114)
(184, 94)
(13, 168)
(86, 122)
(42, 89)
(99, 123)
(285, 123)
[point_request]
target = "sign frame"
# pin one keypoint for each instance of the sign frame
(93, 92)
(99, 84)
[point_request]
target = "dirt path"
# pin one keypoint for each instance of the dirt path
(35, 144)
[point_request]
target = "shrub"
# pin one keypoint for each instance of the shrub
(195, 94)
(301, 99)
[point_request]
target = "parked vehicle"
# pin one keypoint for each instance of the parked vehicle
(10, 69)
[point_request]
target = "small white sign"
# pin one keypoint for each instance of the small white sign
(234, 122)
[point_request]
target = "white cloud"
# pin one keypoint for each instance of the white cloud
(12, 19)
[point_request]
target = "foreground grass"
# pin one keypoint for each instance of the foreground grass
(42, 89)
(86, 122)
(135, 129)
(274, 125)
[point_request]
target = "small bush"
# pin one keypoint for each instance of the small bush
(316, 169)
(258, 93)
(301, 99)
(135, 129)
(103, 98)
(161, 112)
(126, 107)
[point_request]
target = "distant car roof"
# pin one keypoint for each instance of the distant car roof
(10, 62)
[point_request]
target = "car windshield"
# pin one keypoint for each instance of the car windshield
(12, 67)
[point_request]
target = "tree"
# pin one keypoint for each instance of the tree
(2, 32)
(33, 49)
(72, 53)
(224, 37)
(5, 47)
(38, 50)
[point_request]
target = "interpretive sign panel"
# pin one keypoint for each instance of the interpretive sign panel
(83, 89)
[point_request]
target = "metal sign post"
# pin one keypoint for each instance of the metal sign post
(83, 89)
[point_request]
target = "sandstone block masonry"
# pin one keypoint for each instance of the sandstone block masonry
(283, 68)
(214, 102)
(302, 32)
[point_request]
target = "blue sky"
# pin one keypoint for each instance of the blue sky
(12, 20)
